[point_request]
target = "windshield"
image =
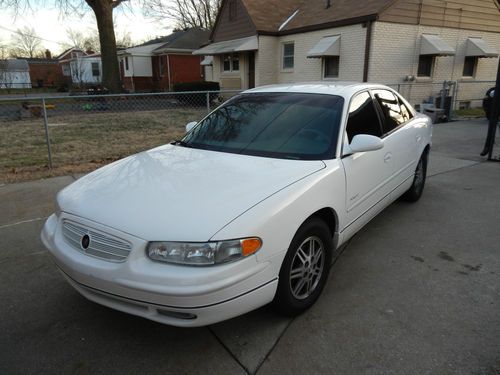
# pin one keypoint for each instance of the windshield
(281, 125)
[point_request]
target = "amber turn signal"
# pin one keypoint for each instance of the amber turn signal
(250, 246)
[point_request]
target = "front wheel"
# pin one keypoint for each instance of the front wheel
(414, 193)
(305, 268)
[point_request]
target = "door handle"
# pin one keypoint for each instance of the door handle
(387, 157)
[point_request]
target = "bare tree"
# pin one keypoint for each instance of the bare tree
(25, 43)
(3, 50)
(103, 11)
(124, 40)
(186, 13)
(86, 41)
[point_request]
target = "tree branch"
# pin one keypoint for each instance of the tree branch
(115, 3)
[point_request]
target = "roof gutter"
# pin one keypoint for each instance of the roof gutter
(327, 25)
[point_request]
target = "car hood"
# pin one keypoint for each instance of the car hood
(179, 194)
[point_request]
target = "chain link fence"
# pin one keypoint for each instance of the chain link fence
(57, 134)
(71, 134)
(455, 95)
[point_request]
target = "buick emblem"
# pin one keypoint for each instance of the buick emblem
(85, 241)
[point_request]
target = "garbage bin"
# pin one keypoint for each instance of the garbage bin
(430, 110)
(446, 106)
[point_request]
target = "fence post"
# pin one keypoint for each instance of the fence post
(208, 102)
(443, 94)
(457, 91)
(47, 137)
(453, 99)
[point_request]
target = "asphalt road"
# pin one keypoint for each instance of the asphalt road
(416, 291)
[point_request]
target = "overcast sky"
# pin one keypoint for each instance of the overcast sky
(49, 25)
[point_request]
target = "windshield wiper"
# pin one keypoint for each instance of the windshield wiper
(179, 142)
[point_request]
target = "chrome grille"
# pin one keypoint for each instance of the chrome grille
(101, 245)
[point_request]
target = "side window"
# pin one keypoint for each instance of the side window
(407, 115)
(393, 115)
(363, 118)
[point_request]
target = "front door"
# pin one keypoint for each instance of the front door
(367, 173)
(251, 70)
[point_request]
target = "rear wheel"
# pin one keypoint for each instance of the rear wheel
(305, 268)
(417, 188)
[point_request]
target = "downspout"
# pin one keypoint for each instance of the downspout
(168, 73)
(133, 73)
(368, 44)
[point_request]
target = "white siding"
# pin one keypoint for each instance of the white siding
(141, 66)
(81, 70)
(15, 80)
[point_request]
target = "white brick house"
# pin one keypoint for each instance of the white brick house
(414, 44)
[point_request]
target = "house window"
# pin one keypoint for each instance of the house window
(469, 66)
(66, 70)
(232, 10)
(332, 67)
(231, 62)
(95, 69)
(126, 63)
(288, 55)
(425, 65)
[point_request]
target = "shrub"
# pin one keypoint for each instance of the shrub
(196, 86)
(196, 99)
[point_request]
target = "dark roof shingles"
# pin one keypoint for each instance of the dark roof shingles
(269, 15)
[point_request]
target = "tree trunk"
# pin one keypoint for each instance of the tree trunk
(103, 10)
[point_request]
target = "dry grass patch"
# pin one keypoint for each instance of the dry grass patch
(81, 143)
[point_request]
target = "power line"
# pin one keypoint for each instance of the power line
(31, 36)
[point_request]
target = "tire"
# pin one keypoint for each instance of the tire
(414, 193)
(307, 262)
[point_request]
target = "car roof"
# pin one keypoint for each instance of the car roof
(345, 89)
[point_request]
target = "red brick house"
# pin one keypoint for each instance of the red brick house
(45, 72)
(160, 63)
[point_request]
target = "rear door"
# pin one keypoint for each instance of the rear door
(367, 173)
(399, 134)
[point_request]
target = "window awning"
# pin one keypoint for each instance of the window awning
(478, 47)
(434, 45)
(327, 46)
(236, 45)
(208, 60)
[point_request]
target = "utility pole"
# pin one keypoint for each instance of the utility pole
(495, 111)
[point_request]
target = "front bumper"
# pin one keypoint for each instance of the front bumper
(170, 294)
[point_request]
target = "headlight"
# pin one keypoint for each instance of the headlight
(203, 253)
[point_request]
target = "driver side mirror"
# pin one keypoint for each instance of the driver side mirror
(363, 143)
(190, 126)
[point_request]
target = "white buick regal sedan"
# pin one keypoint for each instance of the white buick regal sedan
(246, 209)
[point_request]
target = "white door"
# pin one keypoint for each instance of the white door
(368, 174)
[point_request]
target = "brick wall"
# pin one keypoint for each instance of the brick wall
(395, 52)
(352, 45)
(49, 74)
(269, 57)
(184, 68)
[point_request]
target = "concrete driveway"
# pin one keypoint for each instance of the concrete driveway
(416, 291)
